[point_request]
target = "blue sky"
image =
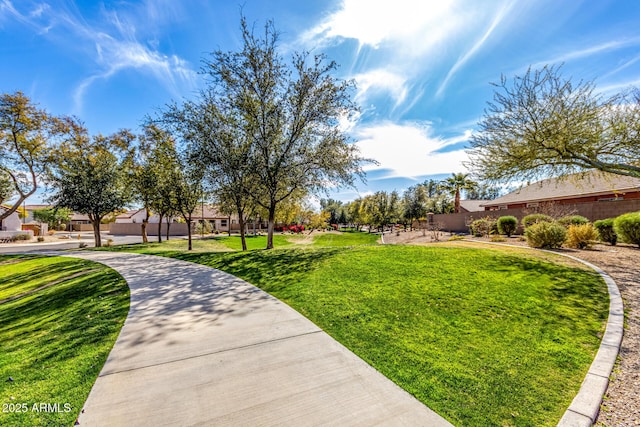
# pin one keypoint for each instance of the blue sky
(422, 67)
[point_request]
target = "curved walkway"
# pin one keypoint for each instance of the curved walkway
(202, 347)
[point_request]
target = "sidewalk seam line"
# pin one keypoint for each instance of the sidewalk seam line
(211, 353)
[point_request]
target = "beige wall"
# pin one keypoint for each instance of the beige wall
(88, 227)
(176, 229)
(593, 210)
(12, 223)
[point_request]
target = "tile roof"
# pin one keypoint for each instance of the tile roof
(79, 217)
(590, 183)
(208, 212)
(34, 207)
(128, 214)
(473, 205)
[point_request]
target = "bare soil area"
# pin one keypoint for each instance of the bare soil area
(621, 406)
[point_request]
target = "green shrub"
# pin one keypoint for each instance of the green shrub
(507, 225)
(455, 237)
(498, 238)
(581, 236)
(605, 231)
(483, 227)
(22, 236)
(203, 227)
(544, 234)
(573, 220)
(627, 227)
(531, 219)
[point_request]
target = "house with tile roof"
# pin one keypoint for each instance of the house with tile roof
(589, 187)
(132, 217)
(594, 195)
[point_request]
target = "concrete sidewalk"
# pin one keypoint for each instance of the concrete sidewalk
(201, 347)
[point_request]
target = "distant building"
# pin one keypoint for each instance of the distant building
(10, 223)
(590, 187)
(30, 208)
(134, 216)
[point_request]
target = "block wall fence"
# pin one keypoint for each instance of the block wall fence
(459, 223)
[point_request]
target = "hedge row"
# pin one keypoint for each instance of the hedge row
(542, 231)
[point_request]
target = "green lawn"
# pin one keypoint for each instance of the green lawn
(223, 242)
(54, 341)
(345, 239)
(482, 336)
(257, 242)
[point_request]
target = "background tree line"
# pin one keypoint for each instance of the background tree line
(383, 208)
(263, 134)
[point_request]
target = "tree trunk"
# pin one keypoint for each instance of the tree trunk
(168, 226)
(229, 225)
(456, 204)
(143, 227)
(190, 247)
(242, 233)
(160, 216)
(271, 226)
(96, 232)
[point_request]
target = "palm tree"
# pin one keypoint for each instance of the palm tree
(455, 183)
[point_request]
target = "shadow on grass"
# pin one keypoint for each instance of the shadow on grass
(54, 342)
(271, 270)
(564, 282)
(39, 275)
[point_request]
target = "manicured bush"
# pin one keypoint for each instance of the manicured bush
(483, 227)
(573, 220)
(544, 234)
(627, 227)
(22, 236)
(203, 227)
(531, 219)
(581, 236)
(507, 225)
(605, 231)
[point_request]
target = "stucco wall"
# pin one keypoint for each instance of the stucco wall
(176, 229)
(593, 210)
(12, 223)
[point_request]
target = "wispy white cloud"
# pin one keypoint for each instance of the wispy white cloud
(584, 52)
(615, 88)
(623, 66)
(381, 80)
(112, 44)
(409, 149)
(9, 12)
(476, 46)
(415, 38)
(376, 22)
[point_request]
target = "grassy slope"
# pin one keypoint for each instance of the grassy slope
(484, 337)
(54, 342)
